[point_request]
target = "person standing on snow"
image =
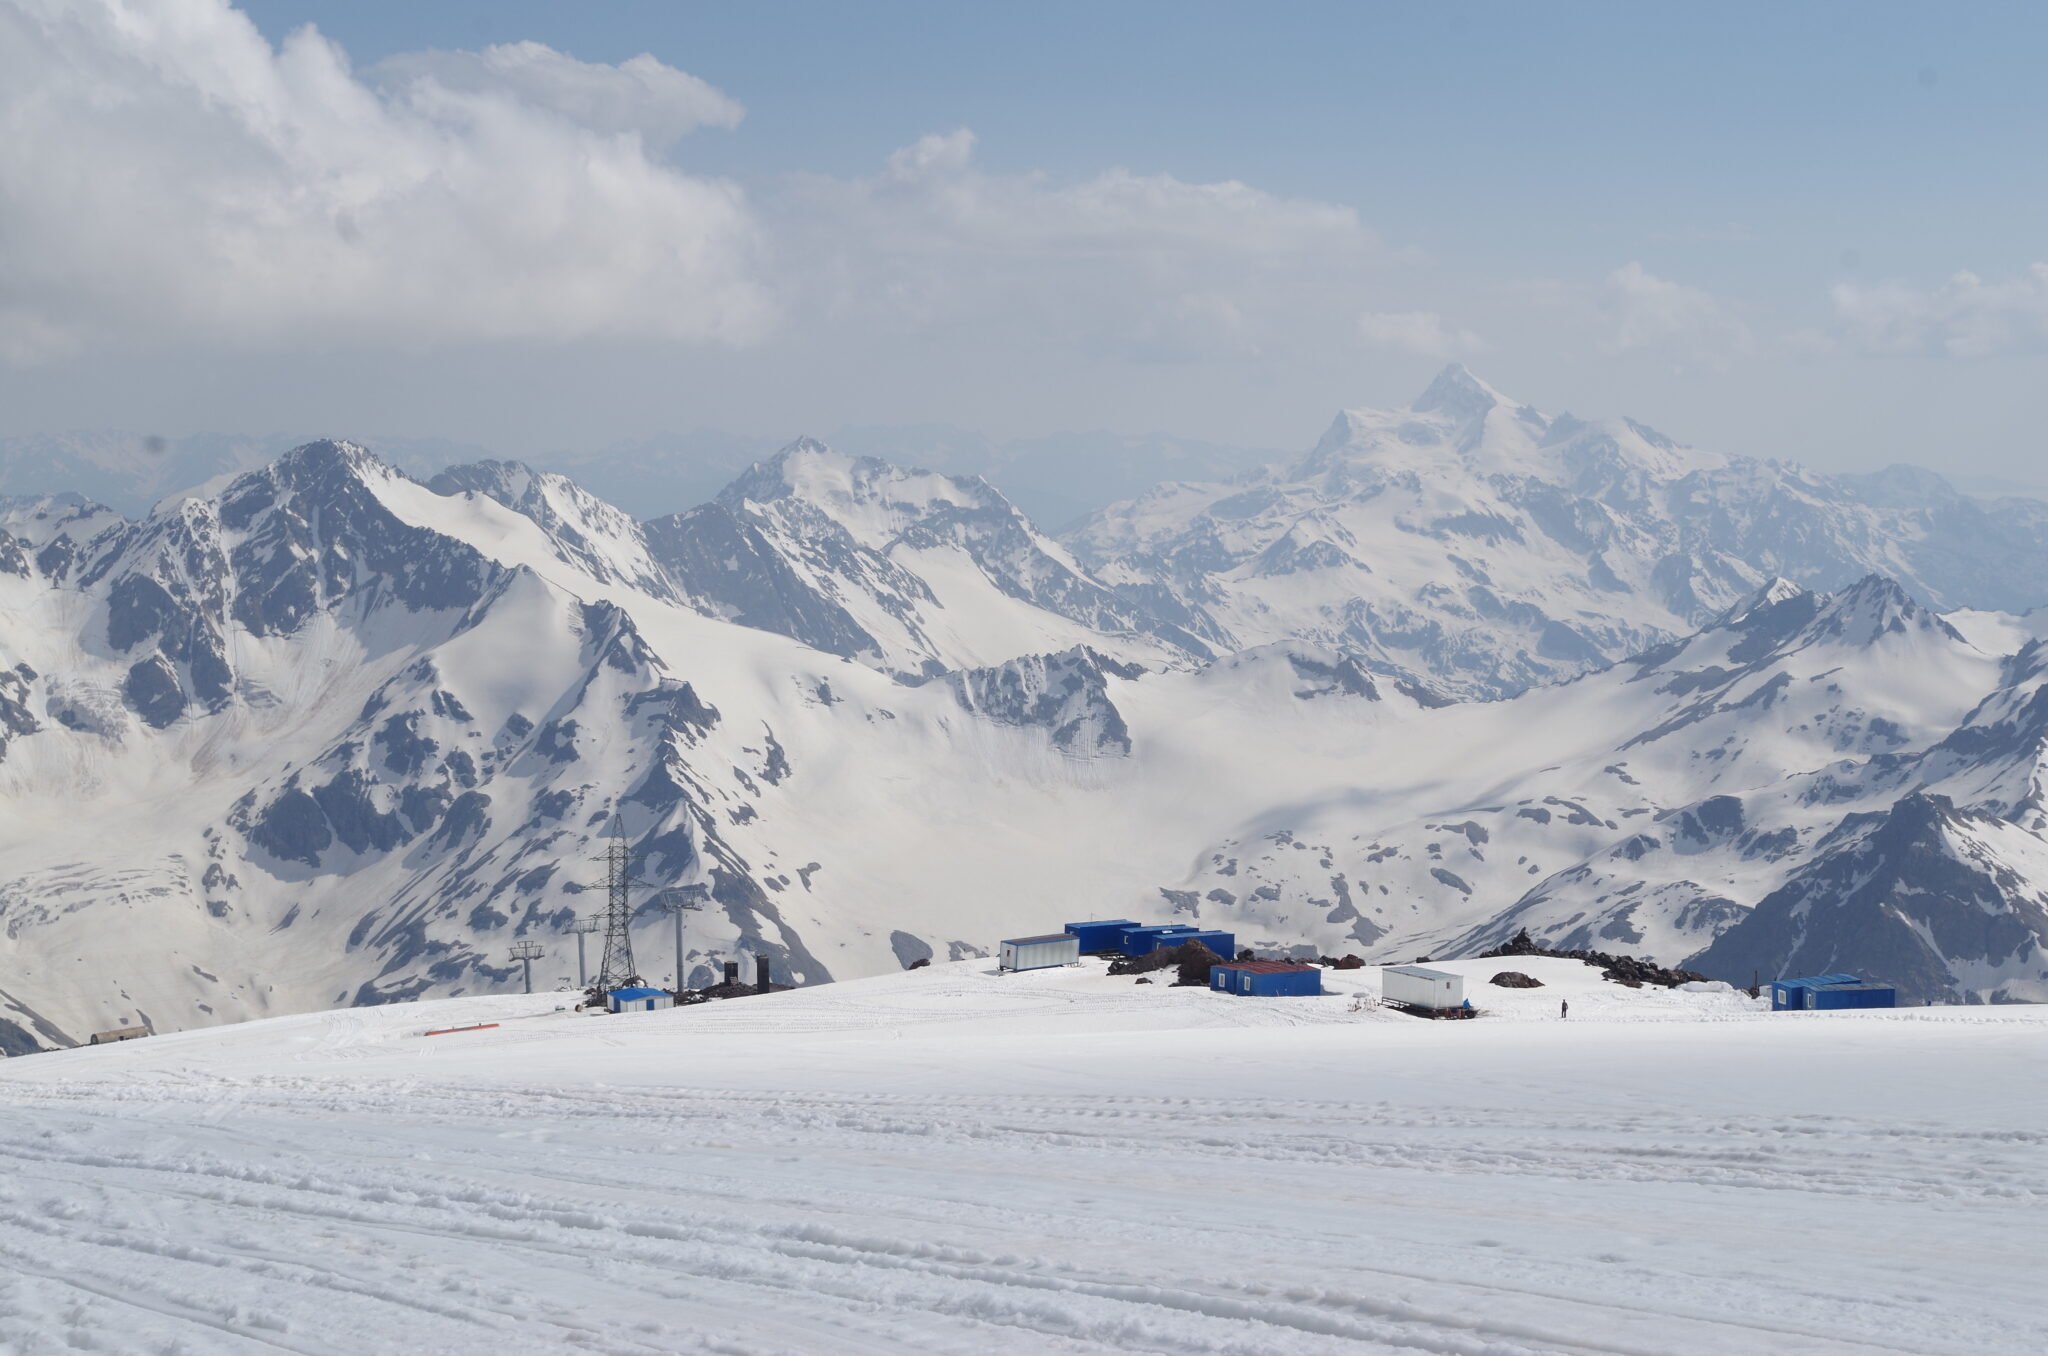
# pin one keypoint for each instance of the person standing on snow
(1564, 1008)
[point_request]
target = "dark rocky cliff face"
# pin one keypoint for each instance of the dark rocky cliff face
(1066, 695)
(1909, 897)
(16, 719)
(726, 564)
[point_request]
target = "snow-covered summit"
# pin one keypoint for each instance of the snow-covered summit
(909, 570)
(873, 499)
(1473, 543)
(1457, 393)
(585, 530)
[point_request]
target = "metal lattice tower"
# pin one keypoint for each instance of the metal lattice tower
(617, 969)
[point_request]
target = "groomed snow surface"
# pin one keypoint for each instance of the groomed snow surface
(949, 1160)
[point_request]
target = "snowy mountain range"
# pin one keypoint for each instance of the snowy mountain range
(1473, 543)
(323, 733)
(1055, 478)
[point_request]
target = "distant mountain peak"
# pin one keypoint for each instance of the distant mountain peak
(584, 530)
(801, 449)
(1775, 590)
(1873, 607)
(1458, 393)
(786, 473)
(324, 454)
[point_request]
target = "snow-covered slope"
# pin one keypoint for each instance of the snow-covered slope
(605, 542)
(358, 736)
(1649, 807)
(909, 571)
(1945, 902)
(950, 1160)
(1473, 543)
(324, 734)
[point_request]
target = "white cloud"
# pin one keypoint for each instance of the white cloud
(1965, 317)
(165, 174)
(641, 95)
(1164, 266)
(1419, 332)
(1643, 311)
(933, 153)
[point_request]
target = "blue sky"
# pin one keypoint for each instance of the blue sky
(1880, 129)
(1744, 223)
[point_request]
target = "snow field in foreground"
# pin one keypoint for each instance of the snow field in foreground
(952, 1161)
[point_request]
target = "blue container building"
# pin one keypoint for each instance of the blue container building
(1104, 934)
(1830, 993)
(1223, 944)
(1267, 979)
(1143, 941)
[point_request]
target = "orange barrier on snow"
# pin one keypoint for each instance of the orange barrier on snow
(451, 1030)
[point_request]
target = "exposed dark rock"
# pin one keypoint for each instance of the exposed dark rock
(293, 828)
(1626, 970)
(15, 719)
(1066, 694)
(1904, 897)
(406, 750)
(1192, 961)
(13, 555)
(910, 950)
(725, 562)
(152, 690)
(1326, 677)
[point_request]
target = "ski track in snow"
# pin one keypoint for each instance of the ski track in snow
(947, 1162)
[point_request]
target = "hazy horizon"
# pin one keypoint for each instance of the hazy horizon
(539, 230)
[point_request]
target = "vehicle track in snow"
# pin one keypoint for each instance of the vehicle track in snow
(950, 1163)
(775, 1218)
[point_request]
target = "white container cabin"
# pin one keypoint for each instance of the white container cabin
(1417, 986)
(1039, 953)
